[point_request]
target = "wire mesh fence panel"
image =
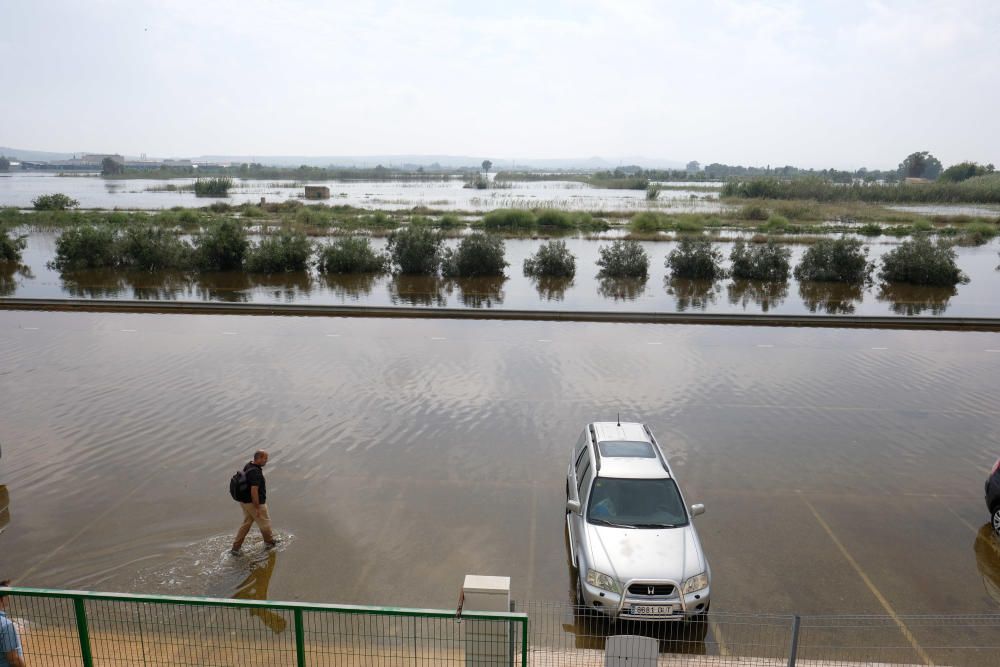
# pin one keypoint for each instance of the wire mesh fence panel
(349, 639)
(47, 630)
(562, 634)
(900, 640)
(139, 633)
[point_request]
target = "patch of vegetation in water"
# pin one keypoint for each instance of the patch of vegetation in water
(476, 255)
(842, 260)
(767, 261)
(553, 260)
(695, 258)
(919, 261)
(351, 254)
(623, 259)
(280, 252)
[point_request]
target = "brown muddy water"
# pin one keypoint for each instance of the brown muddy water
(586, 291)
(838, 466)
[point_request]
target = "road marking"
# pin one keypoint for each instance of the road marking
(229, 333)
(654, 342)
(959, 517)
(765, 346)
(333, 335)
(880, 348)
(993, 350)
(868, 582)
(544, 340)
(31, 328)
(438, 338)
(127, 330)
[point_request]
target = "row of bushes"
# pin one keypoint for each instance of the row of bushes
(844, 260)
(10, 246)
(979, 189)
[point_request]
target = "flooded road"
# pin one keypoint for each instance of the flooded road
(586, 291)
(837, 466)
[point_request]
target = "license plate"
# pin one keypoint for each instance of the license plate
(651, 610)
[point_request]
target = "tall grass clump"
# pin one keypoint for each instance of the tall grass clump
(652, 192)
(918, 261)
(221, 247)
(476, 255)
(623, 259)
(512, 219)
(978, 233)
(415, 250)
(647, 222)
(150, 248)
(753, 212)
(553, 260)
(776, 224)
(217, 186)
(86, 247)
(54, 202)
(551, 217)
(759, 262)
(842, 260)
(280, 253)
(695, 258)
(351, 254)
(10, 246)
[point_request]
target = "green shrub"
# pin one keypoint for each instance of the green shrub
(647, 222)
(652, 192)
(870, 229)
(689, 225)
(280, 253)
(759, 262)
(219, 207)
(151, 248)
(217, 186)
(10, 247)
(510, 219)
(776, 224)
(753, 212)
(979, 233)
(476, 255)
(380, 220)
(554, 218)
(415, 250)
(450, 221)
(86, 247)
(55, 202)
(920, 262)
(695, 258)
(221, 247)
(922, 225)
(840, 260)
(623, 259)
(553, 260)
(587, 222)
(251, 211)
(352, 255)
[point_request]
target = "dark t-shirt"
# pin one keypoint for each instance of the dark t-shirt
(255, 477)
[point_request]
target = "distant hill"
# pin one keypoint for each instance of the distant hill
(449, 161)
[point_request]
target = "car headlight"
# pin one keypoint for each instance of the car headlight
(601, 580)
(695, 583)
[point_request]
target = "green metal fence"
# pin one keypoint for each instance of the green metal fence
(96, 629)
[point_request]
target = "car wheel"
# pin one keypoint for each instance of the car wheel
(996, 519)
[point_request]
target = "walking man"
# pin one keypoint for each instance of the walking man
(11, 654)
(254, 502)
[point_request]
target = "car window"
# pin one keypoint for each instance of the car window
(627, 449)
(636, 503)
(583, 478)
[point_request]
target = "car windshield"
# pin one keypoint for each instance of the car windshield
(636, 503)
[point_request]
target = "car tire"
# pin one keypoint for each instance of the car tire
(996, 519)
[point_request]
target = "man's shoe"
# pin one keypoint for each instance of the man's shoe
(271, 545)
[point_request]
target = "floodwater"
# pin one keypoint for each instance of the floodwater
(92, 191)
(838, 466)
(979, 298)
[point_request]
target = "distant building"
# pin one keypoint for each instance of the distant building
(97, 158)
(317, 192)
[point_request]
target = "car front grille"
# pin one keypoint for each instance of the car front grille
(651, 590)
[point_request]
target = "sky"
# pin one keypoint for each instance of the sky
(819, 84)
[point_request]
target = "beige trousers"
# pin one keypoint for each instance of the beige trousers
(250, 516)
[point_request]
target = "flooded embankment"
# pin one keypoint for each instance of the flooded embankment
(585, 292)
(406, 453)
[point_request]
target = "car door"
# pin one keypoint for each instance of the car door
(576, 520)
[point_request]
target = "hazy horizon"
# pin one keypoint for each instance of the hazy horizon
(754, 83)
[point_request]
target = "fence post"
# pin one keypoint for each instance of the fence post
(796, 622)
(83, 631)
(300, 640)
(524, 642)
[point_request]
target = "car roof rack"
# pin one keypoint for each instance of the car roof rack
(595, 448)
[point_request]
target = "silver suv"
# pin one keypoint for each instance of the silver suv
(631, 539)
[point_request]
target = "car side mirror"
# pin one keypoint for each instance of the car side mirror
(573, 506)
(697, 509)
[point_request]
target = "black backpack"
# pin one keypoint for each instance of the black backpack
(238, 486)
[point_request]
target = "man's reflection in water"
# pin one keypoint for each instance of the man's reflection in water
(987, 550)
(254, 587)
(4, 507)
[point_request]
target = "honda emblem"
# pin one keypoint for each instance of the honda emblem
(650, 590)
